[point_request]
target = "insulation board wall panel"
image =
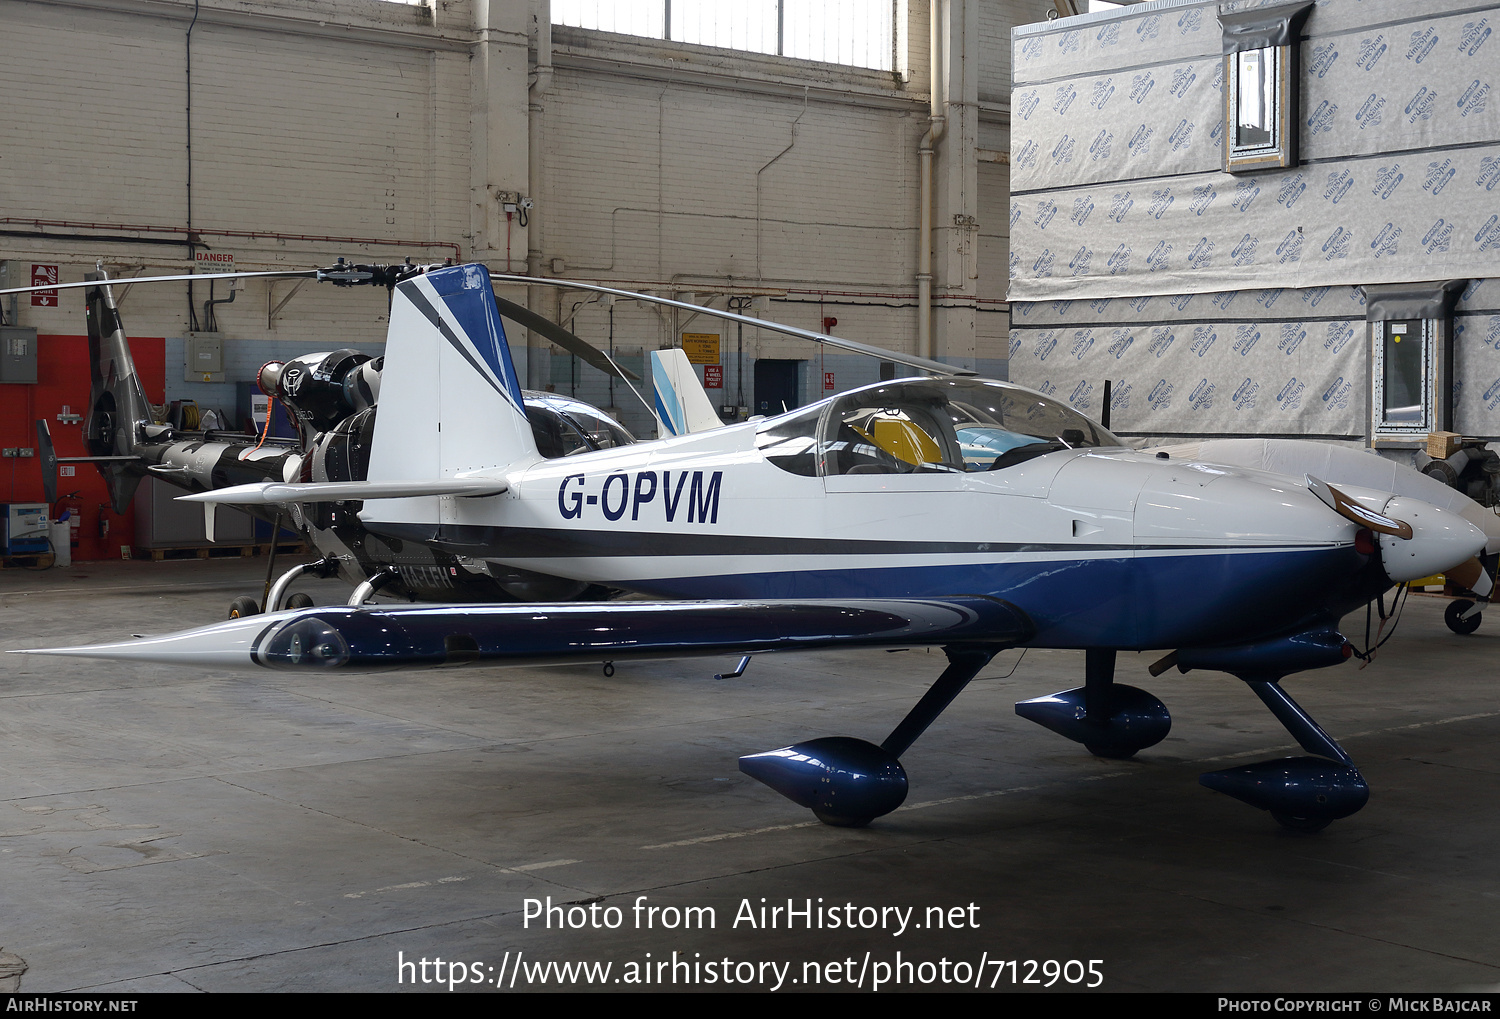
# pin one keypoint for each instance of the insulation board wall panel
(1223, 304)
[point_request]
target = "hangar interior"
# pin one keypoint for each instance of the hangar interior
(989, 185)
(280, 135)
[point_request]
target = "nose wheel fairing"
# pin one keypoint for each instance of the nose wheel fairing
(1302, 793)
(1110, 719)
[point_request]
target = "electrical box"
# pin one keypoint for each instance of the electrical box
(203, 356)
(26, 528)
(17, 354)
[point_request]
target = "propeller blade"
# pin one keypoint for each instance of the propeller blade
(574, 345)
(1473, 576)
(1350, 509)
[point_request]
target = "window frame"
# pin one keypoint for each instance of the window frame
(895, 10)
(1274, 32)
(1426, 311)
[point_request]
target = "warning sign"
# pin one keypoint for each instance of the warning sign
(713, 376)
(41, 275)
(214, 261)
(701, 348)
(828, 381)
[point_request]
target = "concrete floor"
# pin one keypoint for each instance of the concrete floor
(161, 830)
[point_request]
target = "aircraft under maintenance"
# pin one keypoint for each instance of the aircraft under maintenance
(331, 399)
(856, 521)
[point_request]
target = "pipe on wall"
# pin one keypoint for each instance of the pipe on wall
(541, 84)
(926, 151)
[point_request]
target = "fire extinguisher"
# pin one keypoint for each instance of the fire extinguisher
(69, 508)
(103, 522)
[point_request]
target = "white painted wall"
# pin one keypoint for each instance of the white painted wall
(378, 131)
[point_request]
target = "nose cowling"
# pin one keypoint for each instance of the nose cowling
(1441, 539)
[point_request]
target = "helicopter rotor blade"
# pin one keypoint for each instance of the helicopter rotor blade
(910, 360)
(193, 277)
(575, 345)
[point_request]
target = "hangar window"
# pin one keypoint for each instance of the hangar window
(857, 33)
(1260, 87)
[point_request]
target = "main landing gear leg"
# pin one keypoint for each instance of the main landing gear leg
(849, 782)
(322, 568)
(1109, 718)
(365, 591)
(247, 606)
(1303, 794)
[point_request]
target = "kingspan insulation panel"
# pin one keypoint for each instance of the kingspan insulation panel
(1116, 152)
(1225, 304)
(1280, 362)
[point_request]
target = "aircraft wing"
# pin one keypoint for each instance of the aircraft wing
(274, 493)
(375, 638)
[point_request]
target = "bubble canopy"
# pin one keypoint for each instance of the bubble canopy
(927, 425)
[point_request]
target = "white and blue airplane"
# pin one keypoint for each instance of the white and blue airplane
(853, 522)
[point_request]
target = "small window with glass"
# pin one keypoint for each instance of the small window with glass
(1260, 87)
(1411, 361)
(1403, 379)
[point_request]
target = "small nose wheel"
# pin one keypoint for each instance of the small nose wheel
(1457, 622)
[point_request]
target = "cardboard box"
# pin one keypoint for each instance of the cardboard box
(1442, 445)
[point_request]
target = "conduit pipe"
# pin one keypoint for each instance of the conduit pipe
(194, 236)
(926, 150)
(536, 107)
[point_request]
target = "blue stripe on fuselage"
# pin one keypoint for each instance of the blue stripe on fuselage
(1134, 602)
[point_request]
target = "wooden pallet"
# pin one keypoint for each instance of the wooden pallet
(292, 547)
(194, 552)
(35, 561)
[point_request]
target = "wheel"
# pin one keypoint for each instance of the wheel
(1306, 825)
(243, 606)
(1113, 753)
(299, 601)
(841, 821)
(1458, 608)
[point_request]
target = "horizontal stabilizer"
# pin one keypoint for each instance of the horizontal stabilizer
(274, 494)
(374, 638)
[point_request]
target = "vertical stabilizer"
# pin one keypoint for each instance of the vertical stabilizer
(450, 401)
(681, 404)
(118, 409)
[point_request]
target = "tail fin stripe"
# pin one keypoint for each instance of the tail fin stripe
(466, 298)
(421, 303)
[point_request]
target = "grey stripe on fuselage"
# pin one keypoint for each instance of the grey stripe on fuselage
(560, 543)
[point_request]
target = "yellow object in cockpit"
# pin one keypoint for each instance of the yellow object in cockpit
(902, 439)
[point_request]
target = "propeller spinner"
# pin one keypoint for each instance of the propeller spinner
(1421, 540)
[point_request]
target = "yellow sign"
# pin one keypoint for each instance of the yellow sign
(701, 348)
